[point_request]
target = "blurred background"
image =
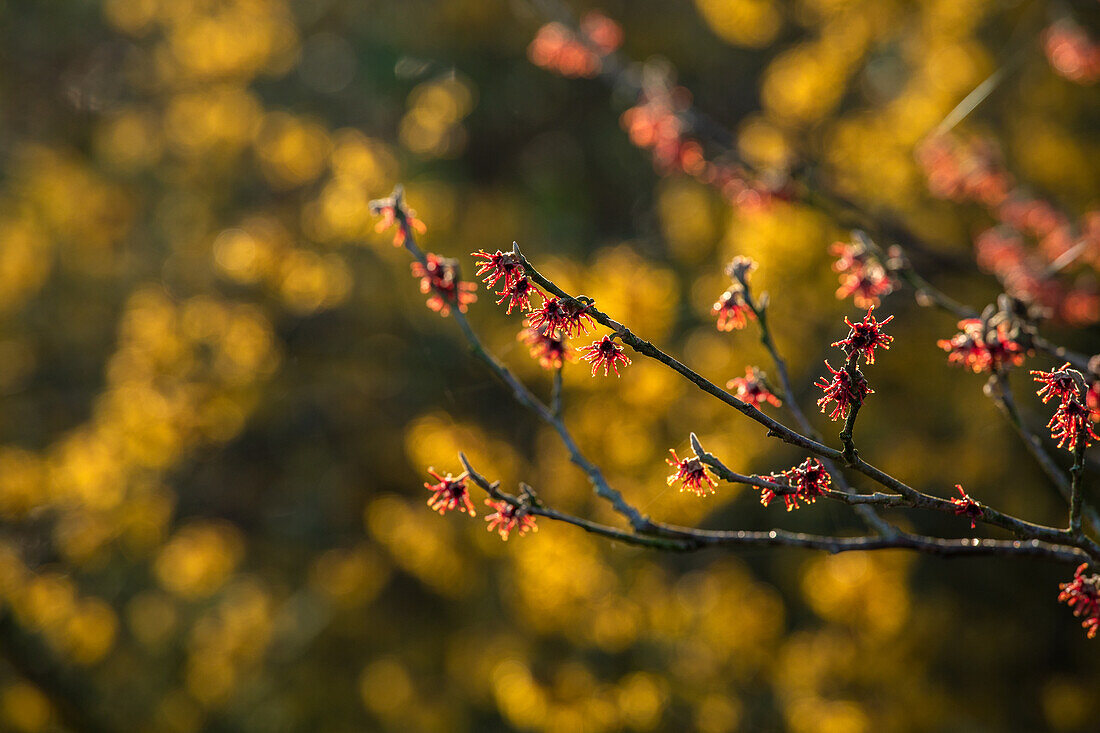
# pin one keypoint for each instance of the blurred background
(220, 388)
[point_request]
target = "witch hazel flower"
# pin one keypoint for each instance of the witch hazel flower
(507, 518)
(753, 388)
(566, 316)
(518, 294)
(981, 348)
(1082, 594)
(732, 307)
(449, 493)
(964, 505)
(548, 347)
(496, 266)
(866, 287)
(691, 473)
(862, 277)
(607, 354)
(1059, 383)
(439, 276)
(865, 336)
(809, 480)
(1072, 423)
(844, 390)
(391, 212)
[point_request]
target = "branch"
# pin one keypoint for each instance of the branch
(683, 539)
(760, 307)
(522, 394)
(1019, 527)
(998, 390)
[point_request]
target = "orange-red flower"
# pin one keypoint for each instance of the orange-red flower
(1059, 383)
(439, 276)
(1071, 423)
(1082, 594)
(387, 209)
(982, 350)
(732, 310)
(753, 388)
(507, 518)
(546, 346)
(449, 492)
(692, 474)
(866, 286)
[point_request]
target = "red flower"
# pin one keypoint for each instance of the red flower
(1082, 594)
(496, 266)
(843, 390)
(550, 350)
(507, 517)
(1071, 422)
(980, 350)
(387, 209)
(440, 278)
(1058, 383)
(449, 493)
(692, 474)
(865, 336)
(732, 310)
(518, 294)
(809, 479)
(752, 388)
(867, 285)
(969, 507)
(605, 353)
(565, 316)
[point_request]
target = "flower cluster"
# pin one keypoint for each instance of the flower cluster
(564, 316)
(692, 474)
(972, 171)
(808, 479)
(394, 212)
(449, 493)
(605, 353)
(732, 307)
(557, 48)
(1071, 52)
(844, 389)
(1072, 421)
(439, 276)
(865, 336)
(965, 505)
(507, 518)
(660, 122)
(753, 388)
(862, 276)
(547, 347)
(1082, 594)
(983, 347)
